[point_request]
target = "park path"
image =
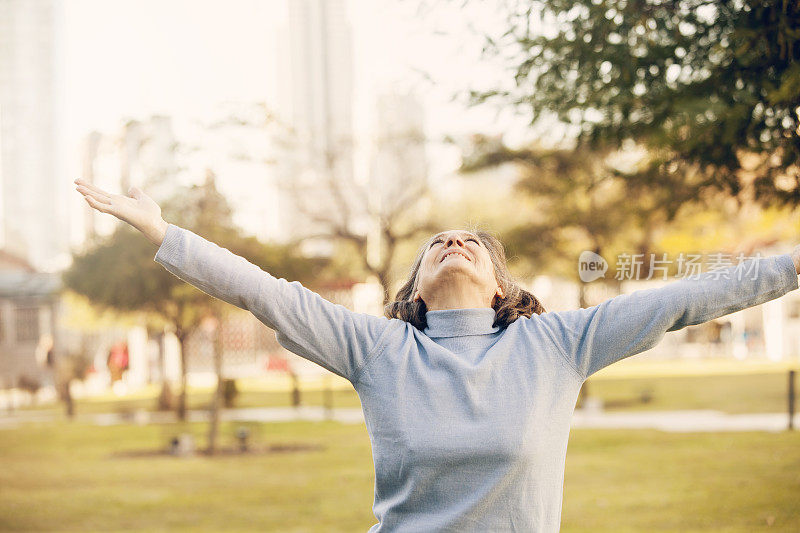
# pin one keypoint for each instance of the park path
(685, 421)
(673, 421)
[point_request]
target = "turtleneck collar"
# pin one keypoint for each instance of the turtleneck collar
(459, 322)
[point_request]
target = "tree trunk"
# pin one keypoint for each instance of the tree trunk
(295, 390)
(165, 398)
(213, 430)
(327, 398)
(182, 398)
(68, 400)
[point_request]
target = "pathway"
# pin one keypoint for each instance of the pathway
(675, 421)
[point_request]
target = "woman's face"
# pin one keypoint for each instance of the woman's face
(456, 271)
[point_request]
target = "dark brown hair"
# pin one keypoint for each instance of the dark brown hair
(515, 303)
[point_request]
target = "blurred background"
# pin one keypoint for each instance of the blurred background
(324, 141)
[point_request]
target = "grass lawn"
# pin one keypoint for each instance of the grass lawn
(729, 393)
(731, 386)
(72, 477)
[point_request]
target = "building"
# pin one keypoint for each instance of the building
(398, 163)
(141, 153)
(316, 103)
(29, 339)
(35, 221)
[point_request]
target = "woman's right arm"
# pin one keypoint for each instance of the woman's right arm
(305, 323)
(328, 334)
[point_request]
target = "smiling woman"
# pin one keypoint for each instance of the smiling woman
(468, 387)
(462, 270)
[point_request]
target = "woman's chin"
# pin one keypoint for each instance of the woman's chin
(455, 264)
(460, 277)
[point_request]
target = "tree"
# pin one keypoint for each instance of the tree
(367, 220)
(712, 84)
(393, 202)
(74, 366)
(394, 227)
(211, 324)
(583, 202)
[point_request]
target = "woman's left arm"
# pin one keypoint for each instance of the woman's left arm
(595, 337)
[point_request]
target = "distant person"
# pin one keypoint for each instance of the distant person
(468, 386)
(117, 360)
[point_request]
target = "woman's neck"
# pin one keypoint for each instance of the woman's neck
(462, 299)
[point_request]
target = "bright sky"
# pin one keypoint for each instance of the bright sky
(182, 56)
(133, 58)
(150, 56)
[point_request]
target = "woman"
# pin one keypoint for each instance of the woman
(467, 385)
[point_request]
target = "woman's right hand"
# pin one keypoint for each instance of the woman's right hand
(137, 209)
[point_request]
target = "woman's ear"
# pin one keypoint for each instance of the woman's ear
(499, 292)
(416, 297)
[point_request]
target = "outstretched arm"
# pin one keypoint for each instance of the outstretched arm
(595, 337)
(305, 323)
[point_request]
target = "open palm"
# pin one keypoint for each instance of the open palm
(137, 209)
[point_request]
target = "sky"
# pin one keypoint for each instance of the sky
(132, 59)
(129, 57)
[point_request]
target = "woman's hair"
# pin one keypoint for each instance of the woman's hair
(515, 303)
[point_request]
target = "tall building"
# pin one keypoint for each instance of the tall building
(35, 218)
(147, 156)
(399, 159)
(398, 164)
(141, 153)
(316, 101)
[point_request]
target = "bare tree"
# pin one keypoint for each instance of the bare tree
(377, 214)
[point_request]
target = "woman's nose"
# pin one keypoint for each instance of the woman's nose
(453, 240)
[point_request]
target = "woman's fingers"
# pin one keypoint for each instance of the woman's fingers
(93, 188)
(86, 188)
(100, 206)
(98, 196)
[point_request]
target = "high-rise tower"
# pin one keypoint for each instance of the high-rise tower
(35, 219)
(316, 101)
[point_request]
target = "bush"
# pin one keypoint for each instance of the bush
(29, 384)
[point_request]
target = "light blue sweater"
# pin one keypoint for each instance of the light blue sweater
(468, 422)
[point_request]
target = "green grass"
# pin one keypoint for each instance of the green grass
(648, 480)
(735, 393)
(71, 477)
(66, 477)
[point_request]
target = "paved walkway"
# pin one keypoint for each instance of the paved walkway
(682, 421)
(674, 421)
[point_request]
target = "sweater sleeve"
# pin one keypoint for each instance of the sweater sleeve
(595, 337)
(328, 334)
